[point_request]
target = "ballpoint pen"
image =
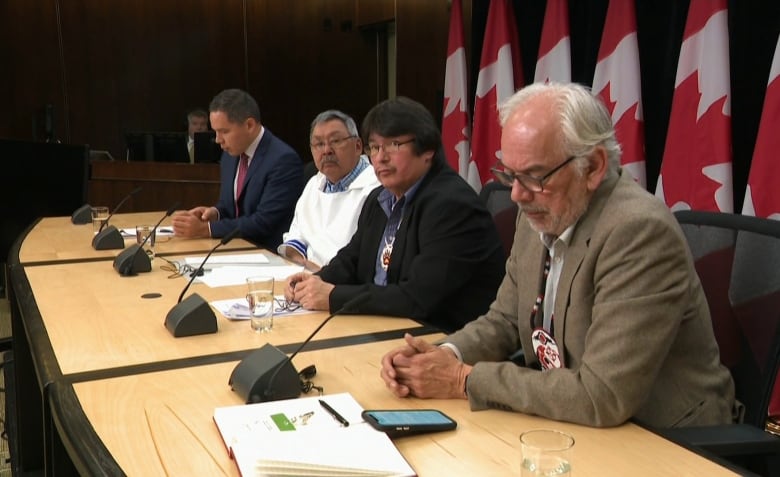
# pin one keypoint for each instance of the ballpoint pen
(333, 413)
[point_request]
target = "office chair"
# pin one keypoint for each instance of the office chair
(309, 171)
(496, 198)
(737, 260)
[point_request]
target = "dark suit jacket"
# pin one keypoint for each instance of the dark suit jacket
(447, 259)
(273, 184)
(631, 321)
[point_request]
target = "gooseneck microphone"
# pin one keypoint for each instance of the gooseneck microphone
(194, 316)
(131, 261)
(109, 238)
(227, 238)
(267, 374)
(119, 206)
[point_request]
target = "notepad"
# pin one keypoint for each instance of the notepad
(356, 450)
(299, 437)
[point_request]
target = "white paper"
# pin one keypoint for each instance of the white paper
(250, 421)
(353, 451)
(228, 259)
(236, 274)
(238, 309)
(161, 232)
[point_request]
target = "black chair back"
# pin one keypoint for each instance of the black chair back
(738, 261)
(496, 198)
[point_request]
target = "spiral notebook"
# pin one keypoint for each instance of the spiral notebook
(299, 437)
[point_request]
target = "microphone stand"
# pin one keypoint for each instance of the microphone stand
(267, 374)
(194, 316)
(110, 238)
(130, 261)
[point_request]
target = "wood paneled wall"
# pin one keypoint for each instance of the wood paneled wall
(113, 66)
(164, 184)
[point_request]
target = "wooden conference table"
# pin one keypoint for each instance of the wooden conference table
(119, 394)
(76, 319)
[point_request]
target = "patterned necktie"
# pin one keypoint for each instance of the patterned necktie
(542, 339)
(243, 164)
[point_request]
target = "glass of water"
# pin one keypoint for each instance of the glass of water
(546, 452)
(260, 297)
(99, 218)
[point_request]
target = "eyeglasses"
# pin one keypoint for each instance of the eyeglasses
(390, 148)
(283, 305)
(306, 376)
(178, 269)
(334, 143)
(531, 183)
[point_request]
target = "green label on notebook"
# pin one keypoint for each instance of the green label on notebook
(282, 422)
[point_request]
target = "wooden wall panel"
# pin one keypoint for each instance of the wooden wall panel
(421, 39)
(370, 12)
(163, 185)
(141, 64)
(306, 57)
(29, 55)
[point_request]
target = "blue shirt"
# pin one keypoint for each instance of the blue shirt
(343, 184)
(394, 209)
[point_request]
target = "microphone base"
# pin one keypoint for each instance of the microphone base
(192, 316)
(132, 261)
(82, 215)
(108, 239)
(252, 376)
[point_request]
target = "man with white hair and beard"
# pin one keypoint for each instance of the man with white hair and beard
(326, 214)
(600, 292)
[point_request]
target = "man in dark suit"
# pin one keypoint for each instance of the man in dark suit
(600, 292)
(425, 246)
(262, 178)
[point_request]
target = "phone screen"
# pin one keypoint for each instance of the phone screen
(406, 418)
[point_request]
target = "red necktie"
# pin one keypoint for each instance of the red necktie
(243, 164)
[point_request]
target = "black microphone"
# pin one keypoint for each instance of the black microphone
(110, 238)
(131, 261)
(267, 374)
(194, 316)
(82, 215)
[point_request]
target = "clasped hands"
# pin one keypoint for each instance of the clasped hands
(417, 368)
(194, 223)
(424, 370)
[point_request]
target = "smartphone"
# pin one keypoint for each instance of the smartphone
(401, 422)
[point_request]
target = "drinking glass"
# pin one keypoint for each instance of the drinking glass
(260, 297)
(546, 453)
(141, 234)
(99, 217)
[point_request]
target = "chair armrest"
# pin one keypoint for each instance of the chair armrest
(726, 440)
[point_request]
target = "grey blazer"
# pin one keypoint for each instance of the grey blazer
(631, 320)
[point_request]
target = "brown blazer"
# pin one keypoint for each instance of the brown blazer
(631, 320)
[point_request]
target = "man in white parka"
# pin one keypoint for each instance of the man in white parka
(327, 211)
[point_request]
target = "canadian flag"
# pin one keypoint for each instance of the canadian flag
(696, 167)
(499, 75)
(762, 197)
(617, 81)
(455, 118)
(554, 61)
